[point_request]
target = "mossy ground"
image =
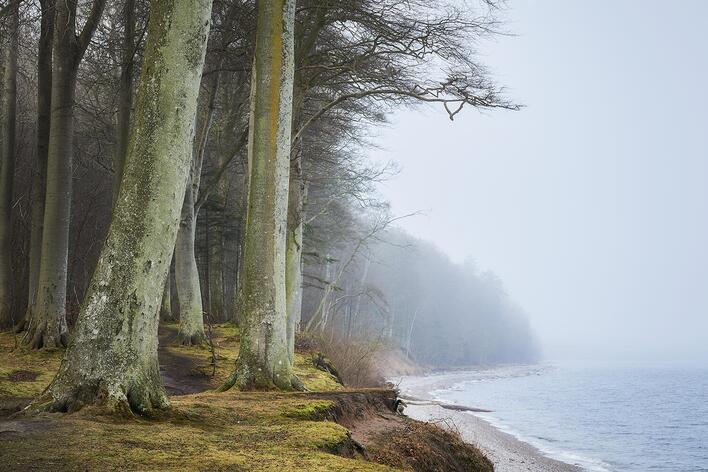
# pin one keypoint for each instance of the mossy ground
(203, 431)
(206, 430)
(225, 338)
(16, 358)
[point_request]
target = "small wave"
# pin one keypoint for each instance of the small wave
(547, 448)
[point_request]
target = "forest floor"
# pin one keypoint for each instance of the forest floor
(328, 428)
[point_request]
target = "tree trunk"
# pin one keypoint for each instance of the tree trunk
(217, 310)
(191, 312)
(39, 169)
(47, 327)
(263, 357)
(189, 292)
(7, 167)
(125, 94)
(293, 266)
(113, 355)
(166, 306)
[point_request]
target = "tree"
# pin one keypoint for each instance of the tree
(113, 355)
(7, 163)
(189, 294)
(370, 53)
(263, 357)
(125, 94)
(39, 167)
(47, 327)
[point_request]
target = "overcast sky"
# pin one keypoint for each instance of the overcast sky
(591, 203)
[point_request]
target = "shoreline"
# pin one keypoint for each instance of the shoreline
(507, 452)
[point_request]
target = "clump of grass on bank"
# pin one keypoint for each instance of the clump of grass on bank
(424, 447)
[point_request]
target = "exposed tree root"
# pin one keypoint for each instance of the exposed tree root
(38, 336)
(139, 399)
(21, 326)
(244, 379)
(197, 339)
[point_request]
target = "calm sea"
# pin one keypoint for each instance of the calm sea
(605, 418)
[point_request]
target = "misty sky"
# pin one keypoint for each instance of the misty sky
(591, 203)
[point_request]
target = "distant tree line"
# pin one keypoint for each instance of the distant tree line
(405, 292)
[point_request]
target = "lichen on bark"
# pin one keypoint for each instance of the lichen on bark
(112, 358)
(263, 357)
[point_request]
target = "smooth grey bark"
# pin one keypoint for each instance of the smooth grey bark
(7, 166)
(296, 187)
(47, 327)
(263, 357)
(125, 93)
(189, 294)
(112, 358)
(39, 167)
(166, 305)
(293, 275)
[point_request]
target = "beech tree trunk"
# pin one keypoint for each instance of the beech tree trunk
(47, 327)
(166, 306)
(7, 166)
(189, 294)
(125, 93)
(293, 275)
(39, 168)
(217, 308)
(263, 357)
(113, 356)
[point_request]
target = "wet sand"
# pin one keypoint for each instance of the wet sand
(506, 452)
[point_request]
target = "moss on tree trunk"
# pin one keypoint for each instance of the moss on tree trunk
(112, 358)
(263, 360)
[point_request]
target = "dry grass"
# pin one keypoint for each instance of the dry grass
(355, 359)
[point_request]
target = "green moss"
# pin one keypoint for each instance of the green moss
(314, 379)
(313, 410)
(227, 331)
(255, 431)
(209, 431)
(44, 363)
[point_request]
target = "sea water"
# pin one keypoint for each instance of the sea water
(601, 417)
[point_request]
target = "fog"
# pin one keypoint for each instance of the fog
(590, 203)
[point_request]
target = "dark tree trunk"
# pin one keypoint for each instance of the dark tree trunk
(8, 115)
(125, 93)
(47, 326)
(39, 168)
